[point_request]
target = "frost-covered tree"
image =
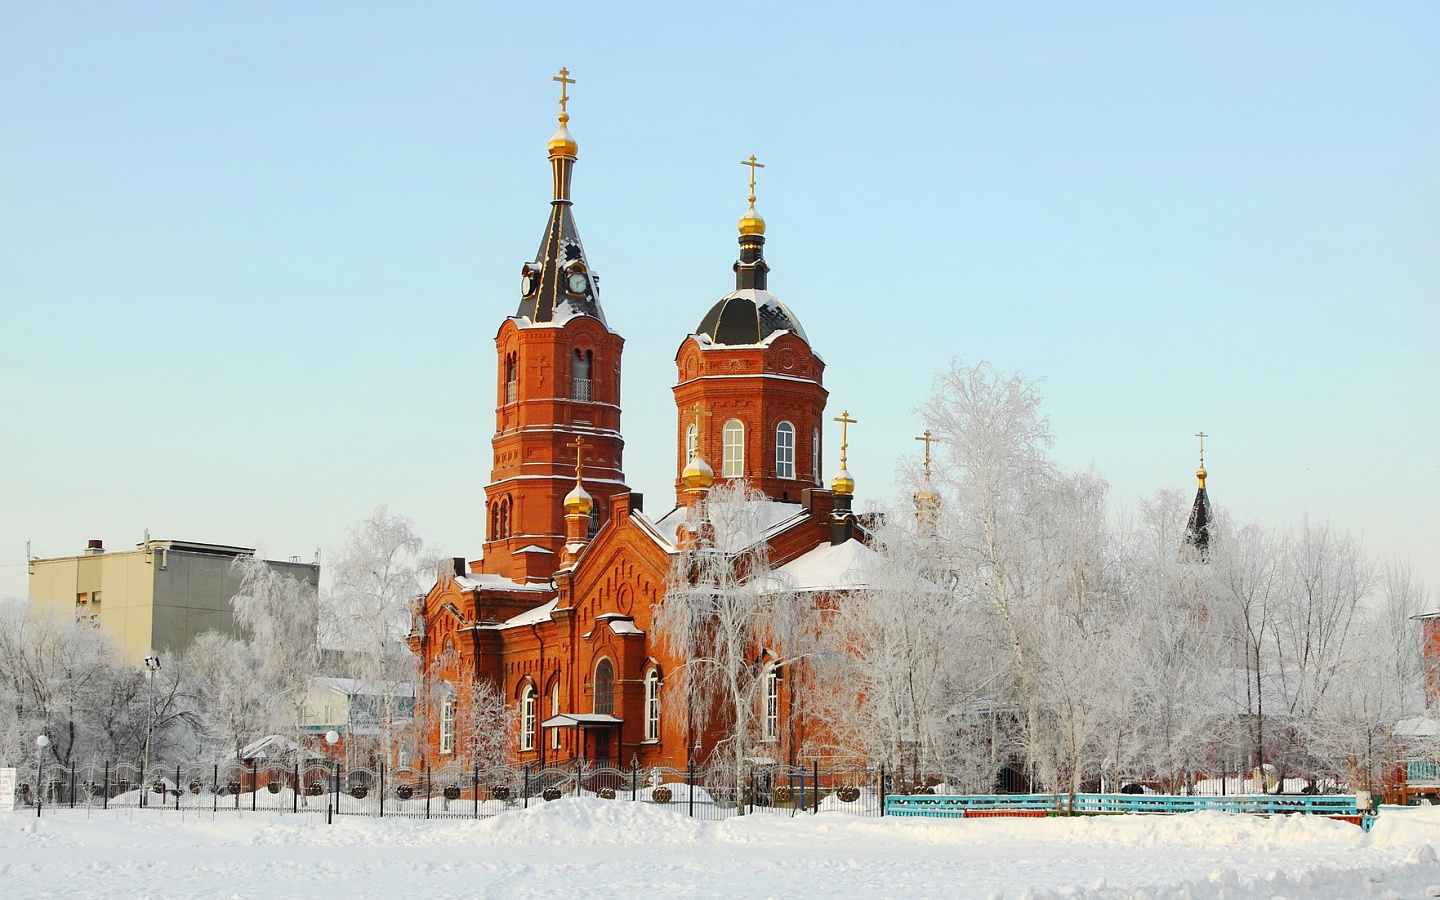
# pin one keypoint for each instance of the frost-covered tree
(366, 614)
(729, 615)
(232, 708)
(279, 617)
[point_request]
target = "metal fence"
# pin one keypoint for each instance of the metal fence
(316, 785)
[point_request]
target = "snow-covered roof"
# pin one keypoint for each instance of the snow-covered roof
(580, 720)
(533, 548)
(531, 616)
(1420, 726)
(765, 519)
(268, 747)
(474, 582)
(850, 566)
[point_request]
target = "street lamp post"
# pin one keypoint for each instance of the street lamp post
(332, 737)
(41, 743)
(152, 665)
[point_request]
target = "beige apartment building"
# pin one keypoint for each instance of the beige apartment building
(159, 596)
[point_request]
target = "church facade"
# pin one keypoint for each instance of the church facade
(557, 614)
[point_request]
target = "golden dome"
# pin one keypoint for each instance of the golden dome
(578, 501)
(751, 223)
(1200, 474)
(563, 144)
(843, 484)
(697, 475)
(927, 500)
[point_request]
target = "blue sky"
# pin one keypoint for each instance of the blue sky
(254, 255)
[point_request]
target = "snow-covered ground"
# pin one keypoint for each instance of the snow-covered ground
(594, 848)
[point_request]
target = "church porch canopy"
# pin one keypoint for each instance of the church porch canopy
(582, 721)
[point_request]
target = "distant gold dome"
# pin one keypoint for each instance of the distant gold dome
(697, 475)
(1200, 474)
(843, 484)
(927, 500)
(562, 144)
(578, 501)
(751, 223)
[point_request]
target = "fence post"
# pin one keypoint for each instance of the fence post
(215, 790)
(690, 786)
(72, 785)
(634, 779)
(382, 788)
(295, 794)
(525, 793)
(105, 794)
(475, 785)
(254, 785)
(815, 768)
(427, 790)
(177, 787)
(882, 789)
(579, 769)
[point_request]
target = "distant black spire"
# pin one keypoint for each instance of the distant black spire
(1197, 530)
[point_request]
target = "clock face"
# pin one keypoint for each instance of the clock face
(527, 283)
(577, 282)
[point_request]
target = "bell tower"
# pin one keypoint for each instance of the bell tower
(559, 380)
(750, 368)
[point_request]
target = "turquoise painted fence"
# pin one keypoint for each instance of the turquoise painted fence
(957, 806)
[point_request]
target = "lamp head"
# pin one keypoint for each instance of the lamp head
(152, 662)
(331, 737)
(42, 742)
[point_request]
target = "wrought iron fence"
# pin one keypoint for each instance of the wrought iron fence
(316, 785)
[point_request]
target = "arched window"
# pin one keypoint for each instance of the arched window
(512, 377)
(605, 688)
(692, 437)
(555, 711)
(593, 528)
(580, 376)
(784, 450)
(770, 714)
(815, 454)
(652, 705)
(527, 718)
(734, 464)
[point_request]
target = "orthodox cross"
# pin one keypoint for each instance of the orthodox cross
(565, 80)
(844, 420)
(753, 166)
(1202, 435)
(928, 440)
(579, 446)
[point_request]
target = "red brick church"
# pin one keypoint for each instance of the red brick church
(557, 612)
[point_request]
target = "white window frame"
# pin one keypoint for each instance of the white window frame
(733, 465)
(652, 705)
(770, 713)
(447, 725)
(527, 718)
(815, 454)
(785, 450)
(692, 440)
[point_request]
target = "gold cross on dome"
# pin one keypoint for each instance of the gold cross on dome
(753, 166)
(565, 80)
(844, 420)
(928, 440)
(697, 411)
(579, 445)
(1202, 436)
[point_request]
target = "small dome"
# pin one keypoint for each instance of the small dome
(578, 501)
(697, 475)
(751, 223)
(748, 316)
(843, 484)
(924, 499)
(562, 144)
(1200, 474)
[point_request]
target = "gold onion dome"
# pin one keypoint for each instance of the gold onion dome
(927, 499)
(578, 501)
(843, 484)
(751, 223)
(563, 144)
(1200, 474)
(697, 475)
